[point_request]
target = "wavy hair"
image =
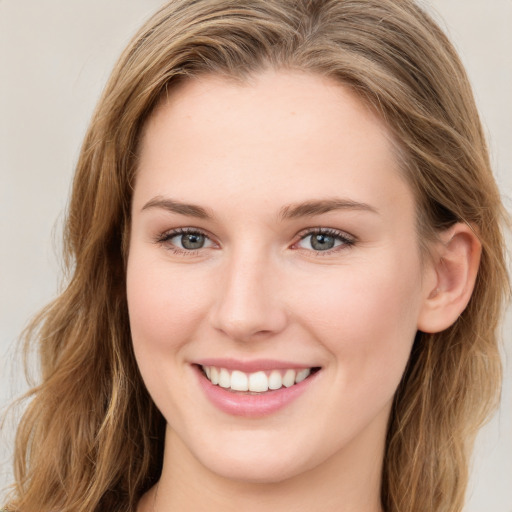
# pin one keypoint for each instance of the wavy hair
(91, 438)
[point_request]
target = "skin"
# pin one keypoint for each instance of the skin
(258, 289)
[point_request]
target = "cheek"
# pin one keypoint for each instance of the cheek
(164, 310)
(366, 318)
(164, 307)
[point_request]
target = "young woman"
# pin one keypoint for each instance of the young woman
(287, 271)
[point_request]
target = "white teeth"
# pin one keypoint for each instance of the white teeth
(239, 381)
(302, 374)
(257, 382)
(224, 378)
(275, 381)
(289, 378)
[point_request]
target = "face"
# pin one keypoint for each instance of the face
(274, 277)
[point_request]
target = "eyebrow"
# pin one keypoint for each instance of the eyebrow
(173, 206)
(318, 207)
(291, 211)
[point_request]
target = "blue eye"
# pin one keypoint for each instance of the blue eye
(189, 241)
(185, 240)
(324, 240)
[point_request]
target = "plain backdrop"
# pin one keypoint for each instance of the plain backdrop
(55, 56)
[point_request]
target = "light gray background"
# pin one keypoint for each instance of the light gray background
(55, 56)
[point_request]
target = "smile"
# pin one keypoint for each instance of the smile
(255, 382)
(253, 389)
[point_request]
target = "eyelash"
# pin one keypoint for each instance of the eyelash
(347, 241)
(168, 235)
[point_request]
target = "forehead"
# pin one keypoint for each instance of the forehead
(281, 135)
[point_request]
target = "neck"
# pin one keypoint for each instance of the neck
(349, 481)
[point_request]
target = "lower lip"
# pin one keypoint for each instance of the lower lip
(252, 406)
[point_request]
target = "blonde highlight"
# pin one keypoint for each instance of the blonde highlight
(91, 438)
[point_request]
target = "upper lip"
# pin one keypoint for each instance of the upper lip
(252, 365)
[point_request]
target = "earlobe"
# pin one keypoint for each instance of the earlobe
(455, 262)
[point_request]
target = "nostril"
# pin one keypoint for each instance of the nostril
(253, 327)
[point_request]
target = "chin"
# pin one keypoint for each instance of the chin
(258, 461)
(269, 470)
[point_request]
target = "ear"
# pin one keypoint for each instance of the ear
(454, 266)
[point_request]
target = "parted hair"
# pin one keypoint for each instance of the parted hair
(91, 438)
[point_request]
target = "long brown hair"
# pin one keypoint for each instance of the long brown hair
(91, 437)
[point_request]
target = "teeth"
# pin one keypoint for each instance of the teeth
(275, 381)
(301, 375)
(257, 382)
(224, 378)
(239, 381)
(289, 378)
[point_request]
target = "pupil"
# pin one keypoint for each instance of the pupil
(322, 242)
(192, 241)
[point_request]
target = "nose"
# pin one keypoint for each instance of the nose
(247, 305)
